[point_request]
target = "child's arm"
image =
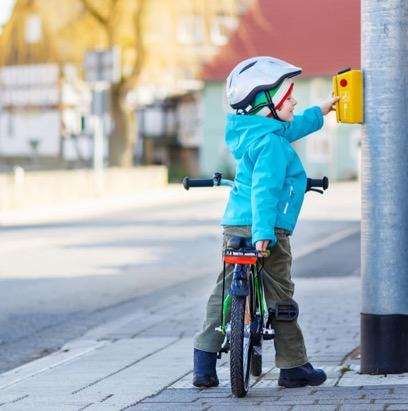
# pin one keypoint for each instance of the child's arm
(267, 181)
(311, 120)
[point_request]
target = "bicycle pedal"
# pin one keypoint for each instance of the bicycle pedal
(224, 348)
(284, 311)
(268, 334)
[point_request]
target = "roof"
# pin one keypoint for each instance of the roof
(321, 36)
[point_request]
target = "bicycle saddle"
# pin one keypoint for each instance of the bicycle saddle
(239, 242)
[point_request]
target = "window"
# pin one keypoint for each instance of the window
(9, 119)
(33, 29)
(190, 30)
(221, 28)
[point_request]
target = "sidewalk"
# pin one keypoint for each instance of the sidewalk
(143, 361)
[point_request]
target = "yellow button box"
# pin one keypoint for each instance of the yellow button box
(348, 85)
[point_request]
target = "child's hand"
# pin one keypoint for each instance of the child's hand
(262, 245)
(328, 105)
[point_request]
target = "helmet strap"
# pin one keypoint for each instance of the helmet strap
(242, 111)
(271, 106)
(253, 110)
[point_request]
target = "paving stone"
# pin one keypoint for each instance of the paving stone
(213, 390)
(392, 400)
(314, 408)
(397, 407)
(288, 402)
(374, 387)
(338, 395)
(401, 389)
(167, 407)
(250, 408)
(363, 407)
(377, 393)
(203, 395)
(249, 399)
(45, 405)
(342, 401)
(174, 396)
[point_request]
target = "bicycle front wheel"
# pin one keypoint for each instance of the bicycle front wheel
(240, 347)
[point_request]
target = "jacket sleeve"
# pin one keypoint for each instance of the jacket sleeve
(311, 120)
(268, 177)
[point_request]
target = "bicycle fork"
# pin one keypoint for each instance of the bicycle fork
(239, 288)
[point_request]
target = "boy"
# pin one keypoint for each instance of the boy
(264, 204)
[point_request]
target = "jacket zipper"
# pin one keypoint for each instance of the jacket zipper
(285, 210)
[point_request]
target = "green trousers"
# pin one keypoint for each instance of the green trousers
(289, 344)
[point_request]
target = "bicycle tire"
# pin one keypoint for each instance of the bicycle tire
(240, 349)
(256, 363)
(256, 353)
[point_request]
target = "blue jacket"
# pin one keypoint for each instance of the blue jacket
(270, 180)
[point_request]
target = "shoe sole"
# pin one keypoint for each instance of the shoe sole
(205, 382)
(299, 383)
(198, 385)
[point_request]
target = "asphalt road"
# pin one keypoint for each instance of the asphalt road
(59, 280)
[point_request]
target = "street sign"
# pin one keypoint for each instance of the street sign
(102, 66)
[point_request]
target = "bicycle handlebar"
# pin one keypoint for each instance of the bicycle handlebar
(217, 180)
(190, 182)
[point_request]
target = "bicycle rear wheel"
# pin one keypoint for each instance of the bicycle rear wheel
(241, 348)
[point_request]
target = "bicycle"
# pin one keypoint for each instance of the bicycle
(250, 319)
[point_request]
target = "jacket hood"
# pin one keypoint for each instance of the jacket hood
(241, 131)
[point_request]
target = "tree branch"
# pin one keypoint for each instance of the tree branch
(94, 12)
(139, 46)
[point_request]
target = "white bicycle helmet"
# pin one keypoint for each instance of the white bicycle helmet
(254, 75)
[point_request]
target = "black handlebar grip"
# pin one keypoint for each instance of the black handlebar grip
(192, 182)
(323, 183)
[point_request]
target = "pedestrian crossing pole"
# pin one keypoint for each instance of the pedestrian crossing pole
(384, 231)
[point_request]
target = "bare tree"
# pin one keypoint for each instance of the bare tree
(107, 15)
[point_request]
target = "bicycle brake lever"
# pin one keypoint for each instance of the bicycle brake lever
(316, 190)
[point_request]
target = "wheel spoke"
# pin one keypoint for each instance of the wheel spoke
(246, 347)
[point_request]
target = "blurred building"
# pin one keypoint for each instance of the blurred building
(40, 119)
(168, 99)
(320, 36)
(43, 100)
(45, 104)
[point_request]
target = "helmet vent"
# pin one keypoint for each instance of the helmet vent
(248, 66)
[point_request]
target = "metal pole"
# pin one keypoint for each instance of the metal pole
(98, 143)
(384, 318)
(98, 152)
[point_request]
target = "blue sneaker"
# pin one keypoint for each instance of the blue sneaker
(301, 376)
(204, 372)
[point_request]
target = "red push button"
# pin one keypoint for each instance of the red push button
(343, 82)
